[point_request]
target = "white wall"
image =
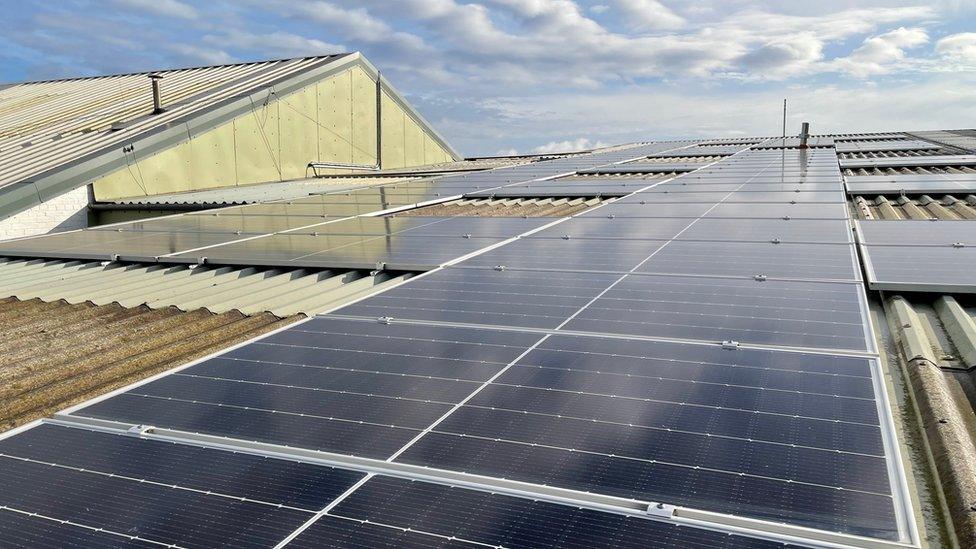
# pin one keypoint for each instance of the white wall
(64, 213)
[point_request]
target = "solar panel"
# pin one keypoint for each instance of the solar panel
(664, 421)
(931, 183)
(716, 358)
(783, 260)
(442, 514)
(484, 296)
(943, 269)
(109, 482)
(325, 403)
(772, 312)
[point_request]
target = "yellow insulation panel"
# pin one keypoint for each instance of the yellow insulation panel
(333, 120)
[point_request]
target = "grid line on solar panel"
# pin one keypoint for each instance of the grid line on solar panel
(311, 431)
(742, 423)
(504, 521)
(20, 528)
(823, 507)
(774, 312)
(513, 298)
(372, 413)
(117, 504)
(778, 462)
(339, 532)
(229, 474)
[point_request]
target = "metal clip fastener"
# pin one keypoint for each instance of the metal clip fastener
(760, 278)
(611, 216)
(786, 218)
(385, 319)
(731, 345)
(114, 257)
(958, 244)
(660, 510)
(201, 260)
(466, 235)
(499, 267)
(566, 237)
(775, 241)
(139, 430)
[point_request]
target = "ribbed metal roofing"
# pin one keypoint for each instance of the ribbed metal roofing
(46, 124)
(922, 207)
(57, 354)
(282, 292)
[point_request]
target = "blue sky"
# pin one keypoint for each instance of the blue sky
(500, 76)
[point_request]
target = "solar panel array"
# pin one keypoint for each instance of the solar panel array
(692, 356)
(927, 183)
(926, 256)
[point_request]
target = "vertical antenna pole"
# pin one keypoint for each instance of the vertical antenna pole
(784, 118)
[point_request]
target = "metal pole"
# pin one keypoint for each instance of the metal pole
(804, 134)
(784, 118)
(157, 101)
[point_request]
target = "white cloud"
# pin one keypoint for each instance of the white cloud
(578, 144)
(274, 44)
(168, 8)
(650, 15)
(882, 53)
(958, 47)
(197, 55)
(354, 24)
(599, 8)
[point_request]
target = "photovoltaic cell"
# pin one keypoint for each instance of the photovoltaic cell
(253, 477)
(102, 499)
(485, 296)
(787, 313)
(811, 505)
(25, 530)
(931, 268)
(360, 387)
(505, 521)
(784, 260)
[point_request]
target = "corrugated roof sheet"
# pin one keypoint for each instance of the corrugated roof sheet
(47, 124)
(922, 207)
(283, 292)
(91, 349)
(505, 207)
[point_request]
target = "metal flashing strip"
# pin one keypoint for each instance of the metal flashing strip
(635, 508)
(856, 280)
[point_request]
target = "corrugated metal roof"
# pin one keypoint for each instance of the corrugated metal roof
(91, 349)
(934, 338)
(505, 207)
(283, 292)
(46, 124)
(922, 207)
(909, 170)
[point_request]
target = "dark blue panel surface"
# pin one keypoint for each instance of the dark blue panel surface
(22, 530)
(153, 512)
(805, 504)
(690, 449)
(485, 296)
(505, 521)
(341, 533)
(289, 429)
(787, 313)
(288, 483)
